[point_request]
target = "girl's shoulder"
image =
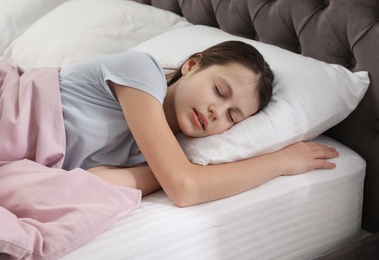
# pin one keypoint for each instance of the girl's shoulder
(135, 69)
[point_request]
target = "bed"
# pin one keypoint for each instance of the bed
(328, 46)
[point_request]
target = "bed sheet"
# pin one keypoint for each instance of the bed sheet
(297, 217)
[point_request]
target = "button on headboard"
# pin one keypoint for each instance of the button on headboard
(344, 32)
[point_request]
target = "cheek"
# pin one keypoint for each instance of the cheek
(220, 127)
(183, 94)
(183, 117)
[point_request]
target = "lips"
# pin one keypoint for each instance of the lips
(199, 119)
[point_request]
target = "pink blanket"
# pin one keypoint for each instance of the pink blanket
(45, 212)
(31, 122)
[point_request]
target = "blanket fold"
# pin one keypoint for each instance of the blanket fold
(31, 120)
(46, 211)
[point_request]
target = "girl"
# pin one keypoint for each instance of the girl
(121, 121)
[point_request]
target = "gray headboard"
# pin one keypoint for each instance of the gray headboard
(344, 32)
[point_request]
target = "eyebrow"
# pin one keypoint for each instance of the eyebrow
(230, 93)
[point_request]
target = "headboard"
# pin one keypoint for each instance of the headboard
(344, 32)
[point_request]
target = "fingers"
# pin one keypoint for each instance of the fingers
(321, 153)
(323, 164)
(325, 152)
(317, 154)
(307, 156)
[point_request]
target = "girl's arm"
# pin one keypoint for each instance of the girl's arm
(188, 184)
(140, 177)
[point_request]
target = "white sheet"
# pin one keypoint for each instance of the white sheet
(297, 217)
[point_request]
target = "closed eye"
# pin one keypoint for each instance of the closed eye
(218, 92)
(230, 117)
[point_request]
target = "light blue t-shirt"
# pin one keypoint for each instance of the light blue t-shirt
(96, 130)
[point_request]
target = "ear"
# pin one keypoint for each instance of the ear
(190, 64)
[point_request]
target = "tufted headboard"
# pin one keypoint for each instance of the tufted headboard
(344, 32)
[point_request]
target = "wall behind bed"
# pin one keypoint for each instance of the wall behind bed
(344, 32)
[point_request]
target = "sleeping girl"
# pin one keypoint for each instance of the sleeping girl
(121, 115)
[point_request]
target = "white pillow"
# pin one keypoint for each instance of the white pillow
(16, 16)
(309, 97)
(82, 29)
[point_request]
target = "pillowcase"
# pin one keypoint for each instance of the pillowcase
(38, 224)
(82, 29)
(17, 16)
(309, 97)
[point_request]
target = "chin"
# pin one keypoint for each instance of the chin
(192, 134)
(198, 135)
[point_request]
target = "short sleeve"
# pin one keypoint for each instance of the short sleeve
(137, 70)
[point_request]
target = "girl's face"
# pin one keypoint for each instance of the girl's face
(211, 100)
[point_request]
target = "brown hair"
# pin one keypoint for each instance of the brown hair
(235, 51)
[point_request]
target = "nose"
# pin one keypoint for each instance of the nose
(214, 112)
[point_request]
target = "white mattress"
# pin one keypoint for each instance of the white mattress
(297, 217)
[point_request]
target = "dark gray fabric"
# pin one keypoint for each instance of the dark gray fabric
(344, 32)
(366, 249)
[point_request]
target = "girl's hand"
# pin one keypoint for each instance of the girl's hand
(306, 156)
